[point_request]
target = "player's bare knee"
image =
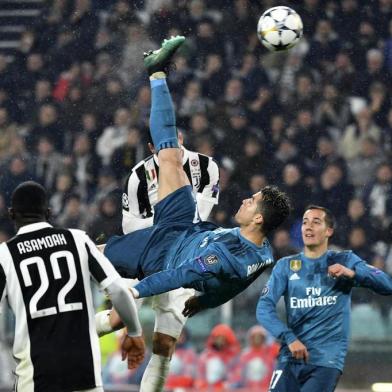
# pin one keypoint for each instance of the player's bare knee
(163, 344)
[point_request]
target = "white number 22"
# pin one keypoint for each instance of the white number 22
(43, 274)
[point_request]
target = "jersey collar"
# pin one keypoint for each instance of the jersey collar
(185, 156)
(33, 227)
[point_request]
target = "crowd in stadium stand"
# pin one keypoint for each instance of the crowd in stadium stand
(315, 120)
(222, 364)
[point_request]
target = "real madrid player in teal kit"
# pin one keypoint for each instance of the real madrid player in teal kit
(179, 250)
(316, 285)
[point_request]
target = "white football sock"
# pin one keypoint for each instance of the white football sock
(154, 376)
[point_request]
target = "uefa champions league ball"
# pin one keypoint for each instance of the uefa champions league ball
(279, 28)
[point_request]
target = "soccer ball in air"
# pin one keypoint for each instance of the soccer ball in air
(279, 28)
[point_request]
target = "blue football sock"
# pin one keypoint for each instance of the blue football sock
(162, 118)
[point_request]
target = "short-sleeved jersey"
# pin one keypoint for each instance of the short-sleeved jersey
(140, 193)
(317, 305)
(45, 275)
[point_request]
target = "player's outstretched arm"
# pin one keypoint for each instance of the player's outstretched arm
(221, 295)
(266, 313)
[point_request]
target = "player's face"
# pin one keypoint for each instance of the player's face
(315, 231)
(249, 209)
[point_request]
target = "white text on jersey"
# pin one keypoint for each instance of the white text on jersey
(48, 241)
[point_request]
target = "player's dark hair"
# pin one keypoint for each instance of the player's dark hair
(329, 217)
(29, 199)
(274, 206)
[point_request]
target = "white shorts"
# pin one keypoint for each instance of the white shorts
(168, 309)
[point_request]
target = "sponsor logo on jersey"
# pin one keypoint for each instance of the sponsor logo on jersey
(294, 276)
(295, 265)
(313, 299)
(194, 162)
(311, 302)
(211, 259)
(125, 201)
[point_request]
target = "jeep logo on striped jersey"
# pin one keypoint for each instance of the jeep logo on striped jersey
(295, 265)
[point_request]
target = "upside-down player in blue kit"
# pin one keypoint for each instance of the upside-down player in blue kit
(179, 250)
(316, 285)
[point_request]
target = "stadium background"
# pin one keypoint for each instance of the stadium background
(316, 120)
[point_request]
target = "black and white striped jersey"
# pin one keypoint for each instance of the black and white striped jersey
(45, 275)
(141, 188)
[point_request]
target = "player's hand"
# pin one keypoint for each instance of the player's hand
(299, 350)
(133, 349)
(192, 306)
(340, 271)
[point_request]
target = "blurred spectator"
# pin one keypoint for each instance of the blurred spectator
(356, 216)
(8, 130)
(64, 187)
(193, 102)
(48, 126)
(333, 191)
(358, 243)
(128, 155)
(365, 38)
(256, 362)
(304, 133)
(326, 153)
(252, 75)
(281, 244)
(374, 72)
(388, 50)
(113, 136)
(361, 169)
(106, 185)
(237, 132)
(47, 163)
(85, 165)
(206, 41)
(6, 224)
(91, 128)
(121, 16)
(16, 171)
(379, 103)
(262, 107)
(296, 188)
(253, 161)
(107, 222)
(347, 20)
(378, 195)
(183, 364)
(132, 57)
(217, 360)
(140, 108)
(232, 98)
(332, 112)
(364, 126)
(74, 215)
(342, 74)
(213, 77)
(324, 46)
(108, 99)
